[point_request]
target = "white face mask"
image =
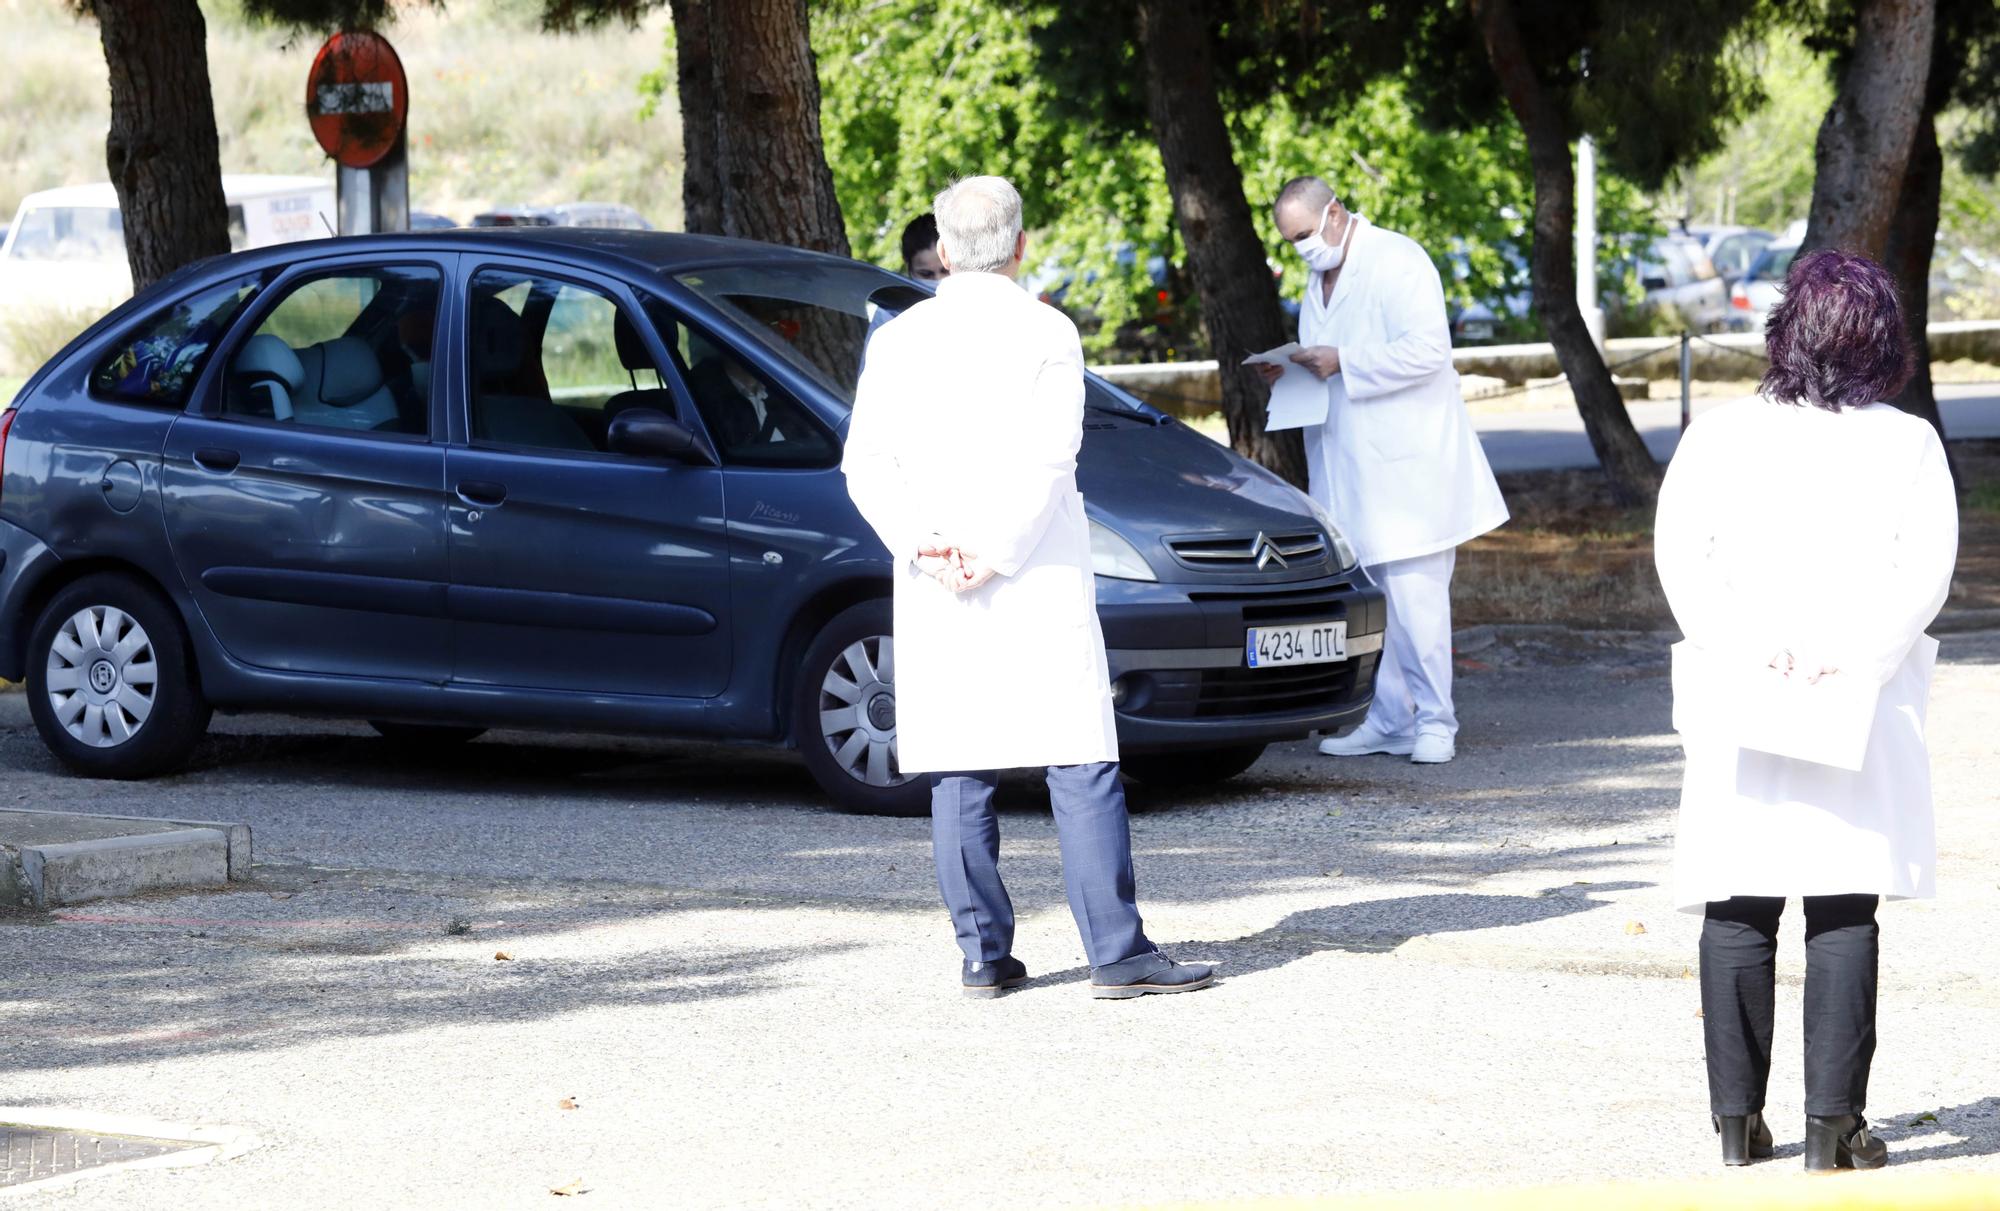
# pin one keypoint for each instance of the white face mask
(1319, 256)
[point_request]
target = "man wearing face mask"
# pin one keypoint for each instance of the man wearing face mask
(1394, 459)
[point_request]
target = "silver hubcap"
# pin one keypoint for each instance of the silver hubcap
(857, 711)
(102, 676)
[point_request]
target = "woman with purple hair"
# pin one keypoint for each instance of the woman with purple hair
(1805, 539)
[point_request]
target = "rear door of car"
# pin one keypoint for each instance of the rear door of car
(573, 568)
(304, 487)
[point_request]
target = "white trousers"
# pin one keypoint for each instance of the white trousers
(1413, 680)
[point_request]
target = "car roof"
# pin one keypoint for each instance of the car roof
(611, 249)
(234, 186)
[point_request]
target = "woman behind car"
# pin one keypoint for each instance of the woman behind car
(1805, 539)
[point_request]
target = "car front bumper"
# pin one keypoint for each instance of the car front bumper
(1178, 672)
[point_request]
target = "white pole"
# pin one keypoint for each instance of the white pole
(1586, 240)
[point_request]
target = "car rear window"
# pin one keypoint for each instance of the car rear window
(158, 360)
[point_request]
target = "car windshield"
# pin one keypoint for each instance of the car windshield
(1774, 264)
(817, 317)
(70, 233)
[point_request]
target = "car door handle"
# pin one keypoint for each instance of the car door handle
(217, 459)
(482, 492)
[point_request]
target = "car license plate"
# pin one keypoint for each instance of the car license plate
(1296, 643)
(1477, 330)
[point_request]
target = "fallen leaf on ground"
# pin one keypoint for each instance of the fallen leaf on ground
(568, 1103)
(502, 956)
(575, 1187)
(281, 895)
(1921, 1119)
(1634, 927)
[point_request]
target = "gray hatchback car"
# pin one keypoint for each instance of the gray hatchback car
(582, 480)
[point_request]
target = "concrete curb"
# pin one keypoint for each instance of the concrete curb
(235, 836)
(55, 873)
(221, 1143)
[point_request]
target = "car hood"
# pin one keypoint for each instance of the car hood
(1151, 483)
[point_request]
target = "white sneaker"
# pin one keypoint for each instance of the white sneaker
(1433, 750)
(1364, 740)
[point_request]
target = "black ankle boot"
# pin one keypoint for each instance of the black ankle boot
(1745, 1138)
(1842, 1142)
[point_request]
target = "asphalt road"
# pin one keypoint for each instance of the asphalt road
(1459, 976)
(1552, 438)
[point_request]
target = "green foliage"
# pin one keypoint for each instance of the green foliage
(916, 93)
(1763, 172)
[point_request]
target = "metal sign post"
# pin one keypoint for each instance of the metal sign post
(358, 100)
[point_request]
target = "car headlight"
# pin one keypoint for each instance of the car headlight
(1111, 555)
(1343, 551)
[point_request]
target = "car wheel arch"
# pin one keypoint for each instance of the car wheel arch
(67, 573)
(819, 609)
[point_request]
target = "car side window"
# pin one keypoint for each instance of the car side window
(751, 421)
(159, 361)
(348, 351)
(552, 363)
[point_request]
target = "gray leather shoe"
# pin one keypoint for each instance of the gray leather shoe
(987, 980)
(1143, 975)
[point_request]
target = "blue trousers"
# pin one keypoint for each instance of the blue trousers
(1096, 860)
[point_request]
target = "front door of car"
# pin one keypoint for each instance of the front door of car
(573, 567)
(304, 495)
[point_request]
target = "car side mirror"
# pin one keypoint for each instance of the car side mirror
(1659, 283)
(651, 433)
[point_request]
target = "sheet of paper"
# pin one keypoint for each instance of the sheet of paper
(1298, 398)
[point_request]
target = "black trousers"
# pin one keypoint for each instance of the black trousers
(1739, 958)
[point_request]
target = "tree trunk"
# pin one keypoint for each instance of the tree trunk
(161, 151)
(1240, 313)
(1907, 254)
(1865, 138)
(701, 184)
(749, 94)
(1634, 476)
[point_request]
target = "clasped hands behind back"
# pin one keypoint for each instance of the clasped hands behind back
(952, 566)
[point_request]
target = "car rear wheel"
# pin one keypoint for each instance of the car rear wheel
(424, 735)
(844, 715)
(111, 682)
(1193, 768)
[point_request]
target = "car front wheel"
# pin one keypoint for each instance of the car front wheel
(111, 682)
(844, 715)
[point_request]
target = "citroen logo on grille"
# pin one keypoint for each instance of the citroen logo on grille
(1266, 552)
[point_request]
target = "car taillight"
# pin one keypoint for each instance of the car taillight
(1739, 298)
(6, 423)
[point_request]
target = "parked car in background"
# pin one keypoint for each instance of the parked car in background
(615, 506)
(65, 250)
(1483, 321)
(613, 215)
(425, 220)
(1675, 272)
(1732, 249)
(1758, 290)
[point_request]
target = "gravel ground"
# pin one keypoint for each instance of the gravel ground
(1467, 976)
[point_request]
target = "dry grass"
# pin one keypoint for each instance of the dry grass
(498, 113)
(30, 336)
(1569, 556)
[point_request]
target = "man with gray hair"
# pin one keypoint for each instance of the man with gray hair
(999, 660)
(1391, 452)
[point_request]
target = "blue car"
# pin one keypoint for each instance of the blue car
(584, 480)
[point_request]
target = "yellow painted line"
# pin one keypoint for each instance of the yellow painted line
(1882, 1190)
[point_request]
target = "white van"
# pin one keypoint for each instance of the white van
(65, 250)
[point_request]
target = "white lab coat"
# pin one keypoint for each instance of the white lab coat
(1397, 462)
(1831, 535)
(966, 424)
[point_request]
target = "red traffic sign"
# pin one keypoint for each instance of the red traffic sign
(357, 97)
